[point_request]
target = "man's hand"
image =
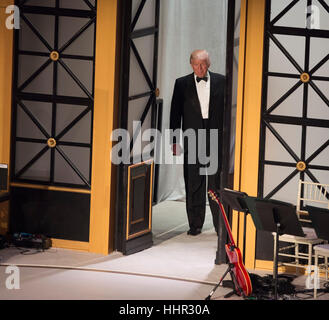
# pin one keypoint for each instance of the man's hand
(176, 149)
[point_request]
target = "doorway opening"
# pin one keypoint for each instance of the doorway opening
(158, 38)
(184, 27)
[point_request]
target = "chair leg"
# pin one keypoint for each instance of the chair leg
(316, 267)
(296, 255)
(309, 254)
(274, 255)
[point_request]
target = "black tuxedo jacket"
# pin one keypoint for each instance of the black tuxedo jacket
(185, 106)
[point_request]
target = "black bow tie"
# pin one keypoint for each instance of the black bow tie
(199, 79)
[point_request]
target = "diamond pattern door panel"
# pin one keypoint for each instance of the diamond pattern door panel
(139, 111)
(295, 105)
(53, 93)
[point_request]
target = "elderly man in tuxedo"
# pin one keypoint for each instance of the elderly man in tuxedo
(197, 106)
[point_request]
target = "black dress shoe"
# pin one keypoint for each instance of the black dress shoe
(194, 232)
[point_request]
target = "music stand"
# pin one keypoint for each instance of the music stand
(320, 221)
(274, 216)
(236, 201)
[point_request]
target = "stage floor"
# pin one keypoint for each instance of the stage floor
(177, 267)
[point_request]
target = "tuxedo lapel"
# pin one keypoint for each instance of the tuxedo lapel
(213, 90)
(191, 87)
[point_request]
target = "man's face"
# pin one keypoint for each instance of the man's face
(200, 67)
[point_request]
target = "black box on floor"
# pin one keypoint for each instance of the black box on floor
(3, 176)
(28, 240)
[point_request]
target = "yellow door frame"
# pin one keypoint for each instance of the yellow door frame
(6, 56)
(6, 60)
(102, 210)
(250, 75)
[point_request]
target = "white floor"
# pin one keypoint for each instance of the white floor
(177, 267)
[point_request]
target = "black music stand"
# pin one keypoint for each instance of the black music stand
(236, 201)
(320, 221)
(274, 216)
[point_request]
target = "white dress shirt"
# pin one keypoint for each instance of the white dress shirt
(203, 90)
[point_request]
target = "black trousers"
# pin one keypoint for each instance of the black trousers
(196, 188)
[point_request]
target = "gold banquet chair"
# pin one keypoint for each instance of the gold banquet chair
(314, 193)
(320, 221)
(309, 193)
